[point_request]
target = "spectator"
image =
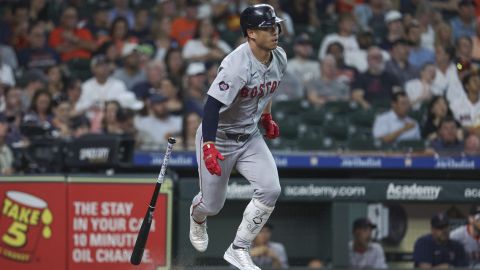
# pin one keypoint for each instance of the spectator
(464, 23)
(40, 113)
(301, 64)
(395, 29)
(375, 84)
(183, 28)
(437, 111)
(73, 92)
(446, 80)
(196, 95)
(395, 125)
(191, 122)
(6, 155)
(19, 26)
(212, 69)
(472, 145)
(55, 81)
(161, 37)
(419, 90)
(98, 25)
(468, 236)
(141, 27)
(448, 8)
(418, 55)
(464, 61)
(37, 54)
(291, 88)
(398, 66)
(169, 90)
(175, 65)
(119, 35)
(69, 41)
(13, 114)
(447, 142)
(327, 88)
(39, 12)
(130, 73)
(370, 15)
(102, 87)
(205, 45)
(121, 10)
(436, 250)
(363, 253)
(61, 118)
(464, 108)
(425, 16)
(345, 73)
(345, 36)
(443, 35)
(315, 264)
(303, 12)
(8, 56)
(154, 129)
(155, 74)
(358, 58)
(126, 119)
(33, 80)
(110, 123)
(266, 253)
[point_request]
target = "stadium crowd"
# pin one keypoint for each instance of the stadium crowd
(142, 69)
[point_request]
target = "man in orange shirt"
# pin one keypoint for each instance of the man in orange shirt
(69, 41)
(183, 28)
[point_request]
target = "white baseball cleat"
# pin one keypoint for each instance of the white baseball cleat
(240, 258)
(198, 234)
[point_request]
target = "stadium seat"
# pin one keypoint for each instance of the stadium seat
(337, 127)
(338, 107)
(411, 145)
(363, 118)
(362, 144)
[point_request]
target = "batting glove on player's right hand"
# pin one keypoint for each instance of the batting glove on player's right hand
(272, 130)
(210, 155)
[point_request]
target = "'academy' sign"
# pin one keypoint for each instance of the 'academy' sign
(413, 192)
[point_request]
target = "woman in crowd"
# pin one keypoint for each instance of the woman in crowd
(437, 110)
(40, 110)
(110, 123)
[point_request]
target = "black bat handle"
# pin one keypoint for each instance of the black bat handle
(141, 242)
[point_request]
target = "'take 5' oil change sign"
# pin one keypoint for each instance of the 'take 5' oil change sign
(24, 221)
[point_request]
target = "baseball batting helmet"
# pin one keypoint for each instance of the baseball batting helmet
(259, 16)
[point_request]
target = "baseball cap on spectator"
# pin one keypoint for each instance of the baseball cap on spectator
(392, 15)
(196, 68)
(467, 3)
(129, 48)
(98, 60)
(157, 98)
(303, 38)
(439, 221)
(362, 223)
(145, 49)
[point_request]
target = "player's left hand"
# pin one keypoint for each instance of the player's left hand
(272, 130)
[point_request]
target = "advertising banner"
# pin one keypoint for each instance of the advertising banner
(33, 223)
(104, 218)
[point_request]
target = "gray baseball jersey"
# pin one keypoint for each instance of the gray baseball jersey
(471, 245)
(246, 86)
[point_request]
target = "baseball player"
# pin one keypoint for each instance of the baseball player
(469, 236)
(240, 97)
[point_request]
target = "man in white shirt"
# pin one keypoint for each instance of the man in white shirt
(345, 36)
(131, 73)
(102, 87)
(363, 253)
(446, 80)
(301, 65)
(466, 109)
(395, 125)
(154, 129)
(468, 235)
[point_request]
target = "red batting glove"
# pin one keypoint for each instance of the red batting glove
(210, 155)
(272, 130)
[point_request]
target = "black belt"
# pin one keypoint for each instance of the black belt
(238, 137)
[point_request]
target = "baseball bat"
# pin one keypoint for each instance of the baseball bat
(142, 237)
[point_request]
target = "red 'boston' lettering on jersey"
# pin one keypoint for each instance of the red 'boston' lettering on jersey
(260, 91)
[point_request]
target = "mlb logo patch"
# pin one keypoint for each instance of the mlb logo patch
(223, 86)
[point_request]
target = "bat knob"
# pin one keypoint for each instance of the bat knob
(172, 140)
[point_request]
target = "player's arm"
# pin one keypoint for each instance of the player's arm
(209, 132)
(272, 130)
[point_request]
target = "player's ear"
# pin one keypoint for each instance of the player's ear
(251, 34)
